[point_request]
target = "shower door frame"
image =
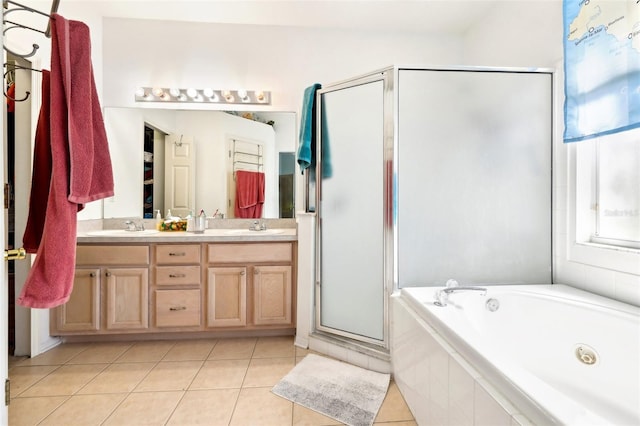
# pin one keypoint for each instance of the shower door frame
(386, 76)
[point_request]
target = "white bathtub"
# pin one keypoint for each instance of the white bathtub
(525, 352)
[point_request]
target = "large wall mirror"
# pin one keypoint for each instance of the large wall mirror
(217, 143)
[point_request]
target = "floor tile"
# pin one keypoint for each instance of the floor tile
(274, 347)
(267, 371)
(205, 407)
(146, 351)
(119, 377)
(23, 377)
(234, 349)
(65, 380)
(258, 406)
(145, 408)
(170, 375)
(221, 374)
(190, 350)
(30, 411)
(58, 355)
(394, 408)
(99, 353)
(84, 410)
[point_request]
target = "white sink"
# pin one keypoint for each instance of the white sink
(253, 233)
(121, 233)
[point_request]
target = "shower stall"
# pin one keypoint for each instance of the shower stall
(437, 173)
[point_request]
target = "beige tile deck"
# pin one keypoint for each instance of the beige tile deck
(193, 382)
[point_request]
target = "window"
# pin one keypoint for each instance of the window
(608, 185)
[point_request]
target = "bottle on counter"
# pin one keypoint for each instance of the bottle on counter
(158, 220)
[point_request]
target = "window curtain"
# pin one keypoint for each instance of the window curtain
(601, 67)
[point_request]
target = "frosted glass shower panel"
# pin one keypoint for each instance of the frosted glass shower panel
(474, 186)
(351, 213)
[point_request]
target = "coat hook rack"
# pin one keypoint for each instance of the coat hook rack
(12, 6)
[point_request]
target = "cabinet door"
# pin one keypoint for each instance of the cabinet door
(272, 295)
(82, 311)
(127, 298)
(227, 296)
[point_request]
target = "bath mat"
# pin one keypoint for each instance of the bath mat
(349, 394)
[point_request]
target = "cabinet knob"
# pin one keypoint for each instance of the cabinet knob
(241, 272)
(177, 275)
(92, 274)
(180, 253)
(178, 308)
(107, 274)
(256, 271)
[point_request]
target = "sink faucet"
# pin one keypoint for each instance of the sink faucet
(132, 226)
(442, 296)
(257, 226)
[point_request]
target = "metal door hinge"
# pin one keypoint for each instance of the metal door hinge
(7, 391)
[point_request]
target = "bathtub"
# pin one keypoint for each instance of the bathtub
(543, 354)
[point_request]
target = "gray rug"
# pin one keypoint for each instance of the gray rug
(349, 394)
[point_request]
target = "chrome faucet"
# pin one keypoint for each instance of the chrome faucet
(257, 226)
(132, 226)
(442, 296)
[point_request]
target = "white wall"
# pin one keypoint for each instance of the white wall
(506, 38)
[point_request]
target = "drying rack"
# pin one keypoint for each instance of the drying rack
(11, 7)
(247, 156)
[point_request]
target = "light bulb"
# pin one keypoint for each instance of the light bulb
(208, 92)
(157, 92)
(260, 96)
(192, 93)
(228, 96)
(174, 92)
(141, 92)
(242, 94)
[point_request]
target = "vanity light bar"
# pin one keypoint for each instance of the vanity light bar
(161, 94)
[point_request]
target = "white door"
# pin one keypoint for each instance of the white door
(180, 170)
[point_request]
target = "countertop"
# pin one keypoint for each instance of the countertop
(114, 236)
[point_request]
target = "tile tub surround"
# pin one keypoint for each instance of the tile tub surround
(208, 381)
(439, 386)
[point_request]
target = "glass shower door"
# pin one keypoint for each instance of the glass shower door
(350, 283)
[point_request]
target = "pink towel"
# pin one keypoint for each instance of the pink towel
(249, 194)
(70, 131)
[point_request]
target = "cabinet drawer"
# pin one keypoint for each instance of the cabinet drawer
(249, 253)
(170, 275)
(178, 254)
(177, 308)
(112, 255)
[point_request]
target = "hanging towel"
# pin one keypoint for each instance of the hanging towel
(307, 139)
(307, 128)
(74, 166)
(249, 194)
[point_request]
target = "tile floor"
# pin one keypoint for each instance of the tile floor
(208, 382)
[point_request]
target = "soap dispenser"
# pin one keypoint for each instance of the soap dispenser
(158, 220)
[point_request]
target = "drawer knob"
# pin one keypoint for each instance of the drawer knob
(92, 274)
(180, 253)
(107, 274)
(177, 275)
(178, 308)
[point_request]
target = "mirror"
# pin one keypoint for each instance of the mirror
(213, 135)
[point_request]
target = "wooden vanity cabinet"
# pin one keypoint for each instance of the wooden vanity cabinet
(177, 297)
(110, 291)
(250, 285)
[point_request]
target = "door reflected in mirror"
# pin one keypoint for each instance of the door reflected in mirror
(138, 139)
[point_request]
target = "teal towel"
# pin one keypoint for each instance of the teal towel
(307, 146)
(307, 128)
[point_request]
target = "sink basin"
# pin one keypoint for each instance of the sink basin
(121, 233)
(253, 233)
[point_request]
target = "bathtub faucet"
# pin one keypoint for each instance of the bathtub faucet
(442, 296)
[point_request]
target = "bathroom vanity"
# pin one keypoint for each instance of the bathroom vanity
(221, 282)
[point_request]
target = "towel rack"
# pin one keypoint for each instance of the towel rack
(247, 156)
(11, 7)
